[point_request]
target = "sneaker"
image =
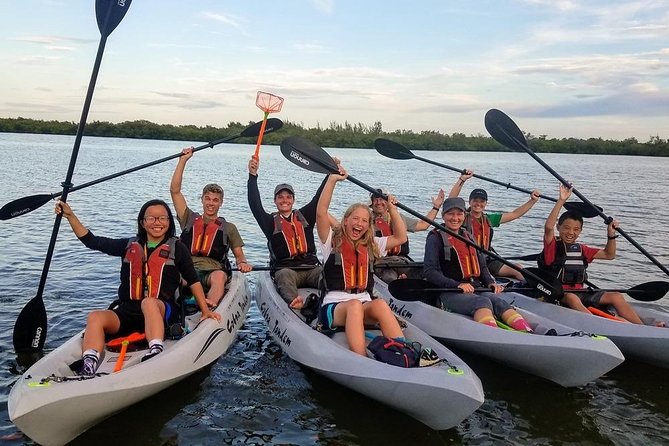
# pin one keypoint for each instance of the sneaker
(551, 332)
(428, 357)
(89, 366)
(155, 349)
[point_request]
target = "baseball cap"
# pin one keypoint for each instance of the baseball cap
(283, 186)
(453, 202)
(479, 193)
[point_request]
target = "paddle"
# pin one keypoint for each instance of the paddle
(395, 150)
(31, 325)
(528, 257)
(309, 156)
(28, 204)
(506, 132)
(268, 103)
(421, 290)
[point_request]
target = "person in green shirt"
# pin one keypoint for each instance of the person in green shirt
(481, 223)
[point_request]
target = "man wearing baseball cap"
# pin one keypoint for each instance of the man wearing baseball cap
(481, 223)
(290, 237)
(389, 268)
(208, 235)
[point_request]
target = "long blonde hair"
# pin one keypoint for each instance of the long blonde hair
(366, 240)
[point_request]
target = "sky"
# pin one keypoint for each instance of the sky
(561, 68)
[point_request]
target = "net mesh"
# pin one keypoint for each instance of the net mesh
(268, 102)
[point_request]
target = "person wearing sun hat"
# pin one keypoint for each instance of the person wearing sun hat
(389, 268)
(290, 236)
(451, 263)
(481, 223)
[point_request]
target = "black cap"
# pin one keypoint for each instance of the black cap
(283, 186)
(478, 193)
(453, 202)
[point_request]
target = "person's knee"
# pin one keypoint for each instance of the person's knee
(612, 299)
(151, 305)
(217, 278)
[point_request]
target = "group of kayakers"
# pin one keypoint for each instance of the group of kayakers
(371, 239)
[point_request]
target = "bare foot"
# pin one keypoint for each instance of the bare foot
(297, 303)
(659, 324)
(402, 276)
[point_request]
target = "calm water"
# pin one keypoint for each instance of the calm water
(255, 394)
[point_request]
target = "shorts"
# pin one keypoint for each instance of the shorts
(131, 317)
(203, 277)
(590, 299)
(326, 315)
(494, 266)
(468, 304)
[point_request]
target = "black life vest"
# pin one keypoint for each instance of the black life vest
(155, 276)
(292, 240)
(350, 270)
(206, 240)
(569, 265)
(467, 256)
(382, 228)
(480, 229)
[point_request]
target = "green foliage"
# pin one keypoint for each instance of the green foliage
(339, 135)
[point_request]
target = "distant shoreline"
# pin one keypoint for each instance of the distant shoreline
(338, 135)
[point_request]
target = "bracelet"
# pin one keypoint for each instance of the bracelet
(434, 208)
(462, 182)
(612, 237)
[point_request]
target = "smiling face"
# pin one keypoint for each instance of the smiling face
(356, 224)
(477, 206)
(211, 203)
(156, 222)
(284, 201)
(569, 230)
(379, 206)
(454, 218)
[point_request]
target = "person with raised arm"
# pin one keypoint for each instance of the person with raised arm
(481, 223)
(349, 251)
(389, 268)
(567, 260)
(153, 264)
(208, 235)
(290, 237)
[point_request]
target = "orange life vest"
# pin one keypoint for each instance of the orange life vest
(383, 229)
(292, 235)
(467, 255)
(206, 240)
(480, 229)
(350, 269)
(146, 274)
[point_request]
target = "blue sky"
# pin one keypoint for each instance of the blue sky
(582, 68)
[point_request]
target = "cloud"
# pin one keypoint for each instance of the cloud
(326, 6)
(227, 19)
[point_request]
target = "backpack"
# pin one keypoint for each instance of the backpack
(395, 352)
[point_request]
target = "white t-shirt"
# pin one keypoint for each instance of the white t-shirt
(343, 296)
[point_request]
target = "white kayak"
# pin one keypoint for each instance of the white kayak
(440, 396)
(646, 343)
(569, 358)
(52, 405)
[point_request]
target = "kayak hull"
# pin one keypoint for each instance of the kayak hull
(439, 396)
(53, 411)
(645, 343)
(569, 361)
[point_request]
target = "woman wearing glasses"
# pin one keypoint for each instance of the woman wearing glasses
(152, 264)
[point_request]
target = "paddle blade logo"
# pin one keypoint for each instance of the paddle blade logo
(298, 157)
(37, 338)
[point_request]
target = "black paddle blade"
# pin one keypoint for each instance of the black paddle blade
(307, 155)
(552, 293)
(30, 327)
(273, 124)
(504, 130)
(23, 206)
(583, 209)
(412, 290)
(109, 14)
(649, 291)
(392, 149)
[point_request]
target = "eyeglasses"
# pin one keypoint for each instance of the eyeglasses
(161, 219)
